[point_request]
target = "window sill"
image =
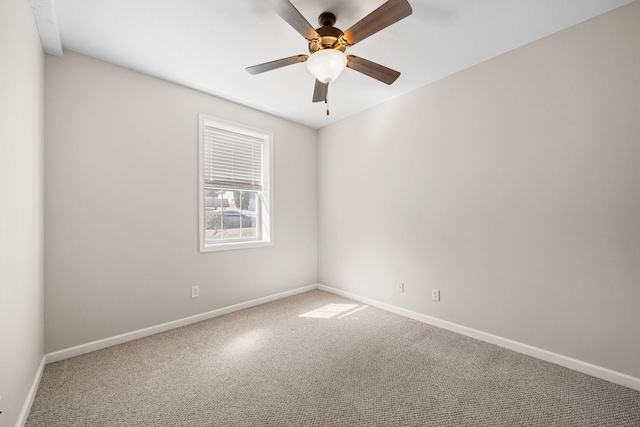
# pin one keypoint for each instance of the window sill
(235, 245)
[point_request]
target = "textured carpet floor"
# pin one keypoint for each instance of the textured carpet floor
(266, 366)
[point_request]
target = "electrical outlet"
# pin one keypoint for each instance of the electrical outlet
(195, 291)
(435, 295)
(401, 288)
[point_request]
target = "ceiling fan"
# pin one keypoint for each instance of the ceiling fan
(328, 43)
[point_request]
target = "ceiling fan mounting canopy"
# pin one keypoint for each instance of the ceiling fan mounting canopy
(327, 19)
(329, 38)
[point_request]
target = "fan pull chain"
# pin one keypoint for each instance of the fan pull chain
(326, 98)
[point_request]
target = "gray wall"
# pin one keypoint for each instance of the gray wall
(121, 202)
(513, 187)
(21, 206)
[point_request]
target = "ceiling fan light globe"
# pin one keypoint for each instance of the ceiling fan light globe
(327, 64)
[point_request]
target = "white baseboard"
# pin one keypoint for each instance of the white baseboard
(568, 362)
(152, 330)
(28, 402)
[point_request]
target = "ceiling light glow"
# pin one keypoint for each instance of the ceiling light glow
(327, 64)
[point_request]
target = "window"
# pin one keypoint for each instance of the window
(235, 186)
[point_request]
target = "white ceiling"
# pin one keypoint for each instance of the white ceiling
(206, 44)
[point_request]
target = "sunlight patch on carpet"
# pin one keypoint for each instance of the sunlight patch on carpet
(329, 310)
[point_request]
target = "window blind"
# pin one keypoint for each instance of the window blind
(232, 160)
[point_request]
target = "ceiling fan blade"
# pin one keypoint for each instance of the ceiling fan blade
(268, 66)
(389, 13)
(320, 91)
(371, 69)
(289, 13)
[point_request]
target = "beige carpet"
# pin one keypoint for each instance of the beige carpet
(267, 366)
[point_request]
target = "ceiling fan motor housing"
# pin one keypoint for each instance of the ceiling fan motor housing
(330, 35)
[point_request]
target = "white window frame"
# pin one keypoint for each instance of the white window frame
(266, 195)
